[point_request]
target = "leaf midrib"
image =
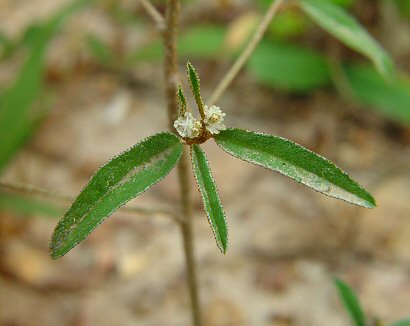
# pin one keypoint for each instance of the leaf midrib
(363, 193)
(126, 179)
(278, 156)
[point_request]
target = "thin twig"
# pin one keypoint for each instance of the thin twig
(66, 199)
(239, 63)
(154, 14)
(171, 82)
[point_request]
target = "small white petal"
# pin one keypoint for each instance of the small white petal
(187, 126)
(214, 118)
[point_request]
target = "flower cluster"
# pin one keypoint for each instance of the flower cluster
(214, 119)
(189, 127)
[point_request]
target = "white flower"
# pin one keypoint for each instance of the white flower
(187, 126)
(214, 119)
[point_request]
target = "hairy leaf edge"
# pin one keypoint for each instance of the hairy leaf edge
(371, 204)
(220, 245)
(53, 256)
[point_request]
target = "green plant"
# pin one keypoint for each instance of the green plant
(353, 307)
(134, 171)
(137, 169)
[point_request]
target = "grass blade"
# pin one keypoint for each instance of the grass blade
(351, 303)
(118, 181)
(15, 102)
(290, 159)
(210, 197)
(17, 119)
(348, 30)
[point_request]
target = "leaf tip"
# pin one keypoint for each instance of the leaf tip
(371, 205)
(193, 78)
(189, 66)
(182, 103)
(54, 248)
(386, 67)
(54, 254)
(223, 246)
(369, 202)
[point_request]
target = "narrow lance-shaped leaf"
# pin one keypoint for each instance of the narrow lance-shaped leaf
(351, 303)
(182, 104)
(347, 29)
(294, 161)
(17, 117)
(117, 182)
(210, 197)
(195, 87)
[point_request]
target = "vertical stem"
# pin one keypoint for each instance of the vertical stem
(171, 80)
(186, 230)
(171, 59)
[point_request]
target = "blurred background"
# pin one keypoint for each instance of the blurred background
(81, 81)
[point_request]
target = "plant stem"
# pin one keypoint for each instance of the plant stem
(186, 230)
(239, 63)
(171, 81)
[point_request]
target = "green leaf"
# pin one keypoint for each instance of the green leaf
(389, 98)
(26, 206)
(182, 103)
(294, 161)
(351, 303)
(289, 67)
(118, 181)
(404, 322)
(348, 30)
(195, 85)
(16, 123)
(17, 119)
(210, 197)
